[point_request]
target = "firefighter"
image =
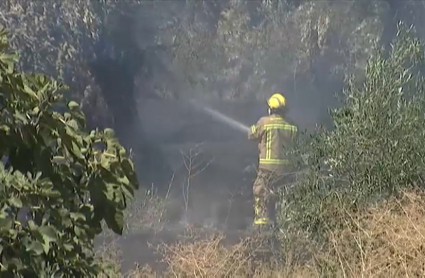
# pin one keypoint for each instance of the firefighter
(274, 135)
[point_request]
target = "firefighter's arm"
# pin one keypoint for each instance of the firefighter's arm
(255, 131)
(294, 129)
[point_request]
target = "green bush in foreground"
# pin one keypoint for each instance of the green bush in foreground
(376, 148)
(67, 180)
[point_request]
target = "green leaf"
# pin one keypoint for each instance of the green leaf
(73, 105)
(68, 247)
(16, 202)
(32, 226)
(77, 216)
(35, 247)
(78, 231)
(115, 221)
(13, 233)
(21, 117)
(30, 92)
(128, 191)
(8, 60)
(59, 160)
(46, 247)
(5, 128)
(6, 223)
(76, 150)
(109, 133)
(48, 233)
(128, 169)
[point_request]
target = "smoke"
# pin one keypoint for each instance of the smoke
(188, 53)
(188, 57)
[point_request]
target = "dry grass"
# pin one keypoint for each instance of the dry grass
(210, 256)
(387, 240)
(147, 212)
(111, 256)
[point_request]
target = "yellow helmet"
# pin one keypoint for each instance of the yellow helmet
(276, 101)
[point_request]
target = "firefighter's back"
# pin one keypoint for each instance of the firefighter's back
(277, 138)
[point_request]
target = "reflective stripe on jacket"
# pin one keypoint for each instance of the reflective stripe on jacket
(274, 136)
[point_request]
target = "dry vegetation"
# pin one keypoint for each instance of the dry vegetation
(386, 240)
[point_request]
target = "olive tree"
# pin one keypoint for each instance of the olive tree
(376, 148)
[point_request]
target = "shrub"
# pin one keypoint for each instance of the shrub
(382, 241)
(214, 255)
(376, 148)
(66, 180)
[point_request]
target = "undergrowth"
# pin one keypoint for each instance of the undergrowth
(385, 240)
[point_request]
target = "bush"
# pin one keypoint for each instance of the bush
(377, 146)
(214, 255)
(65, 180)
(382, 241)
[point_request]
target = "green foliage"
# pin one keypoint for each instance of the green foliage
(60, 47)
(259, 46)
(237, 48)
(66, 180)
(377, 146)
(209, 48)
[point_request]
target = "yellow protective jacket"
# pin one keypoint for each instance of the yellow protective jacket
(274, 135)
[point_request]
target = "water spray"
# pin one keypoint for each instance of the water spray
(222, 118)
